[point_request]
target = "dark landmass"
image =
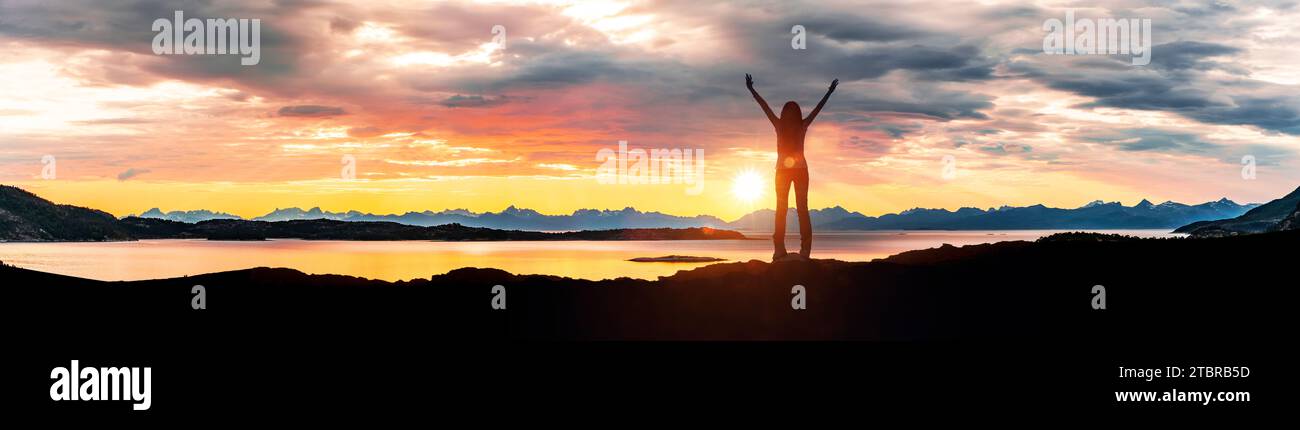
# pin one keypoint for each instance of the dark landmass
(27, 217)
(24, 216)
(676, 259)
(1291, 222)
(1266, 217)
(1193, 290)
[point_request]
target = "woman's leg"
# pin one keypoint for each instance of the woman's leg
(783, 178)
(801, 204)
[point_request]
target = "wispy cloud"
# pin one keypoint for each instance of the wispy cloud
(131, 173)
(312, 111)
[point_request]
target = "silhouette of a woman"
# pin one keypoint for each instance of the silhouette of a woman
(791, 167)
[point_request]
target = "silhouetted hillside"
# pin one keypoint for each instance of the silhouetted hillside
(1291, 222)
(27, 217)
(1263, 218)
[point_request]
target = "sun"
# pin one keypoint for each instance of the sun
(747, 185)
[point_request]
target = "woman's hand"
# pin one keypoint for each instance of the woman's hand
(749, 81)
(834, 84)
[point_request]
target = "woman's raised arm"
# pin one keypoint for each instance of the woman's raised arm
(749, 82)
(808, 121)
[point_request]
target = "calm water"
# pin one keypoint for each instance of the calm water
(152, 259)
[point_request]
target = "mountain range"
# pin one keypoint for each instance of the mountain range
(27, 217)
(1095, 215)
(186, 216)
(512, 218)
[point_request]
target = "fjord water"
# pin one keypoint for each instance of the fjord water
(401, 260)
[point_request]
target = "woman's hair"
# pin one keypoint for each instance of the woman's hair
(791, 114)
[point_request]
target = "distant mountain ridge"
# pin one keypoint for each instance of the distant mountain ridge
(764, 219)
(1096, 215)
(29, 218)
(185, 216)
(512, 218)
(324, 229)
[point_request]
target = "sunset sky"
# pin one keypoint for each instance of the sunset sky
(439, 116)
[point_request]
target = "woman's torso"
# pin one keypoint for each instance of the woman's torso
(789, 146)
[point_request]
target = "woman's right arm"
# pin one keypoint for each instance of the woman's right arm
(749, 82)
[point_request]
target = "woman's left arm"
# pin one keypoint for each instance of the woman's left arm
(808, 121)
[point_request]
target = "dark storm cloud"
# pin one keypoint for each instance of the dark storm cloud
(939, 65)
(311, 111)
(1189, 55)
(127, 26)
(929, 56)
(1280, 113)
(1180, 142)
(566, 67)
(1003, 148)
(941, 106)
(865, 145)
(846, 42)
(1209, 9)
(955, 63)
(474, 101)
(1252, 103)
(1153, 140)
(1182, 77)
(120, 25)
(851, 28)
(862, 43)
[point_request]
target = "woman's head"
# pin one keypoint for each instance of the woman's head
(791, 113)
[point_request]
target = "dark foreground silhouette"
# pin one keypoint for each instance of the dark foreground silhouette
(1233, 289)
